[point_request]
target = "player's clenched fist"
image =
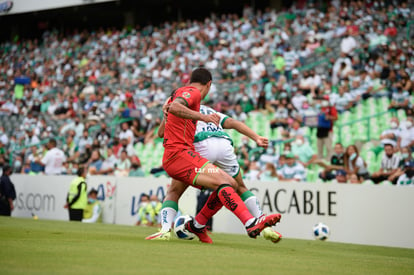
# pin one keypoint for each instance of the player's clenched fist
(262, 142)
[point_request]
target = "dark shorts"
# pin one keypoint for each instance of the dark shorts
(184, 165)
(75, 214)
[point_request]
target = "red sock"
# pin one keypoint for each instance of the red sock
(234, 203)
(212, 206)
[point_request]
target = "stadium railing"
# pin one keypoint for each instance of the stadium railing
(366, 119)
(41, 143)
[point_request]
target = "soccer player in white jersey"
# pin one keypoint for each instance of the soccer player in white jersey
(215, 145)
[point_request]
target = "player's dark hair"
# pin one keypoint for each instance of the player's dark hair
(53, 142)
(201, 75)
(80, 171)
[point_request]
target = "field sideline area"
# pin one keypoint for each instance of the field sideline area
(51, 247)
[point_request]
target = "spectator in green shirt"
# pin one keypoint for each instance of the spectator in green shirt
(136, 170)
(303, 151)
(279, 63)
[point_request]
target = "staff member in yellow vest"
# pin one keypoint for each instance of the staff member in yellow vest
(146, 213)
(93, 210)
(77, 198)
(156, 206)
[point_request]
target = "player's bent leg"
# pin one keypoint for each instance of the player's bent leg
(175, 190)
(197, 225)
(252, 203)
(224, 186)
(211, 177)
(249, 199)
(170, 205)
(169, 210)
(261, 223)
(227, 161)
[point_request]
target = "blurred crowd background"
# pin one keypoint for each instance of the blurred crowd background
(331, 88)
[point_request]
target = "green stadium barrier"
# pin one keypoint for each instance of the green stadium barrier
(408, 29)
(112, 125)
(366, 119)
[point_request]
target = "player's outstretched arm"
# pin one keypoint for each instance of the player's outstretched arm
(179, 109)
(242, 128)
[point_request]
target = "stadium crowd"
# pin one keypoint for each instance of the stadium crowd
(96, 96)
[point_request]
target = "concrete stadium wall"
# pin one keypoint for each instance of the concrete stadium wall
(361, 214)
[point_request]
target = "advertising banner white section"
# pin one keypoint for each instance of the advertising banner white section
(42, 196)
(22, 6)
(45, 196)
(361, 214)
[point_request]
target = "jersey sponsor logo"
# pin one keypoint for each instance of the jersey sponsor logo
(186, 95)
(192, 154)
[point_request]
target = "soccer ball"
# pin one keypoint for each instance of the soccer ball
(179, 228)
(321, 231)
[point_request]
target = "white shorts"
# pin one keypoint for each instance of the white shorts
(220, 152)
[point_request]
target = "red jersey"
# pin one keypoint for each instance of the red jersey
(179, 132)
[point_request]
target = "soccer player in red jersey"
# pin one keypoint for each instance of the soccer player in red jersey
(184, 164)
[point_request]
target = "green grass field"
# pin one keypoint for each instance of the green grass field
(52, 247)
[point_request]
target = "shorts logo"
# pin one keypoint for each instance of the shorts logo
(186, 95)
(188, 175)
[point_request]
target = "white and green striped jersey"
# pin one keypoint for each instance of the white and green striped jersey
(400, 97)
(290, 59)
(296, 171)
(206, 130)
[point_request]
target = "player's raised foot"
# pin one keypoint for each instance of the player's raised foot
(160, 236)
(261, 223)
(201, 233)
(272, 235)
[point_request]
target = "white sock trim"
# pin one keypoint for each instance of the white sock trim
(250, 222)
(252, 203)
